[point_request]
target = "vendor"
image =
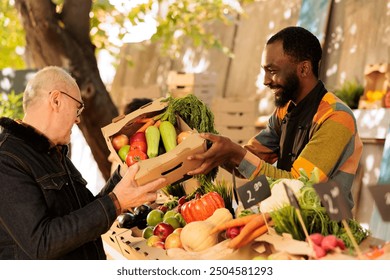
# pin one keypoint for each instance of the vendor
(309, 128)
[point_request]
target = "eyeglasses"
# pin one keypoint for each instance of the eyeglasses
(82, 106)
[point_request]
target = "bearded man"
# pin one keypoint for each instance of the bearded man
(309, 128)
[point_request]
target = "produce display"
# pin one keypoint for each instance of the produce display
(204, 224)
(314, 215)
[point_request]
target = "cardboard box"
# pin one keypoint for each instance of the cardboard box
(172, 165)
(133, 249)
(377, 82)
(110, 237)
(377, 77)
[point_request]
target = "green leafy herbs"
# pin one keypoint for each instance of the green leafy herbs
(315, 217)
(196, 115)
(192, 110)
(176, 190)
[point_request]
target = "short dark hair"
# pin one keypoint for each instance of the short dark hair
(135, 104)
(300, 44)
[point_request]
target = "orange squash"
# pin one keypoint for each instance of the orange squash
(201, 208)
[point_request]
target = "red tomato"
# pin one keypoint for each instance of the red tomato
(139, 145)
(135, 156)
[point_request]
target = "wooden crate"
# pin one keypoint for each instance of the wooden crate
(179, 79)
(235, 118)
(204, 93)
(238, 134)
(232, 105)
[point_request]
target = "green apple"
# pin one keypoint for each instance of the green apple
(154, 217)
(122, 153)
(169, 213)
(147, 232)
(175, 223)
(180, 218)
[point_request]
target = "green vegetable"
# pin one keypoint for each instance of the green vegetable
(168, 135)
(314, 215)
(197, 116)
(192, 110)
(152, 134)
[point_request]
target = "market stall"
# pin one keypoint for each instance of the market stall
(261, 219)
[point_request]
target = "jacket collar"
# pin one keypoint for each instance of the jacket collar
(27, 133)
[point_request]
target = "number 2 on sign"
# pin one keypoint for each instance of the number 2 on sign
(250, 198)
(256, 187)
(328, 199)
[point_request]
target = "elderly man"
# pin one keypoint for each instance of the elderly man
(46, 211)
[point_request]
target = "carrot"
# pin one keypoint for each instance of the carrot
(237, 222)
(146, 125)
(252, 236)
(144, 120)
(247, 230)
(157, 123)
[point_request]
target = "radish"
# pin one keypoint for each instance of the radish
(316, 238)
(232, 232)
(319, 251)
(340, 244)
(329, 243)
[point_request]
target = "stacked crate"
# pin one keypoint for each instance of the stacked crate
(235, 118)
(202, 85)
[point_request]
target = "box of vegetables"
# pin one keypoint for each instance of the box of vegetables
(160, 136)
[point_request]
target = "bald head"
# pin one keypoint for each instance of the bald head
(44, 81)
(52, 104)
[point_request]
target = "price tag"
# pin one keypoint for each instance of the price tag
(381, 195)
(291, 197)
(254, 191)
(334, 201)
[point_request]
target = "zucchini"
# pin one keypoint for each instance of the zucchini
(152, 135)
(168, 135)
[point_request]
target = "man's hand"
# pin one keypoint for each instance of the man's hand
(222, 151)
(128, 192)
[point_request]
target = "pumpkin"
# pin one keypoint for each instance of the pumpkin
(200, 208)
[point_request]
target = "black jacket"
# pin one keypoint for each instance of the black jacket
(46, 211)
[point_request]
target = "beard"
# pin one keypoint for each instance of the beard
(288, 91)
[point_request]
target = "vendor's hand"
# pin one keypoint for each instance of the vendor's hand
(222, 151)
(128, 192)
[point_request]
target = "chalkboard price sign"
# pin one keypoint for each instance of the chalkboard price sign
(254, 191)
(291, 197)
(333, 200)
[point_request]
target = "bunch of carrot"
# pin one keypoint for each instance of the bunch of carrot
(253, 226)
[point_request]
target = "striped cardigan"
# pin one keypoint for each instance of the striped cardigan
(334, 147)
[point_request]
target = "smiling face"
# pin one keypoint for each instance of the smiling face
(280, 74)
